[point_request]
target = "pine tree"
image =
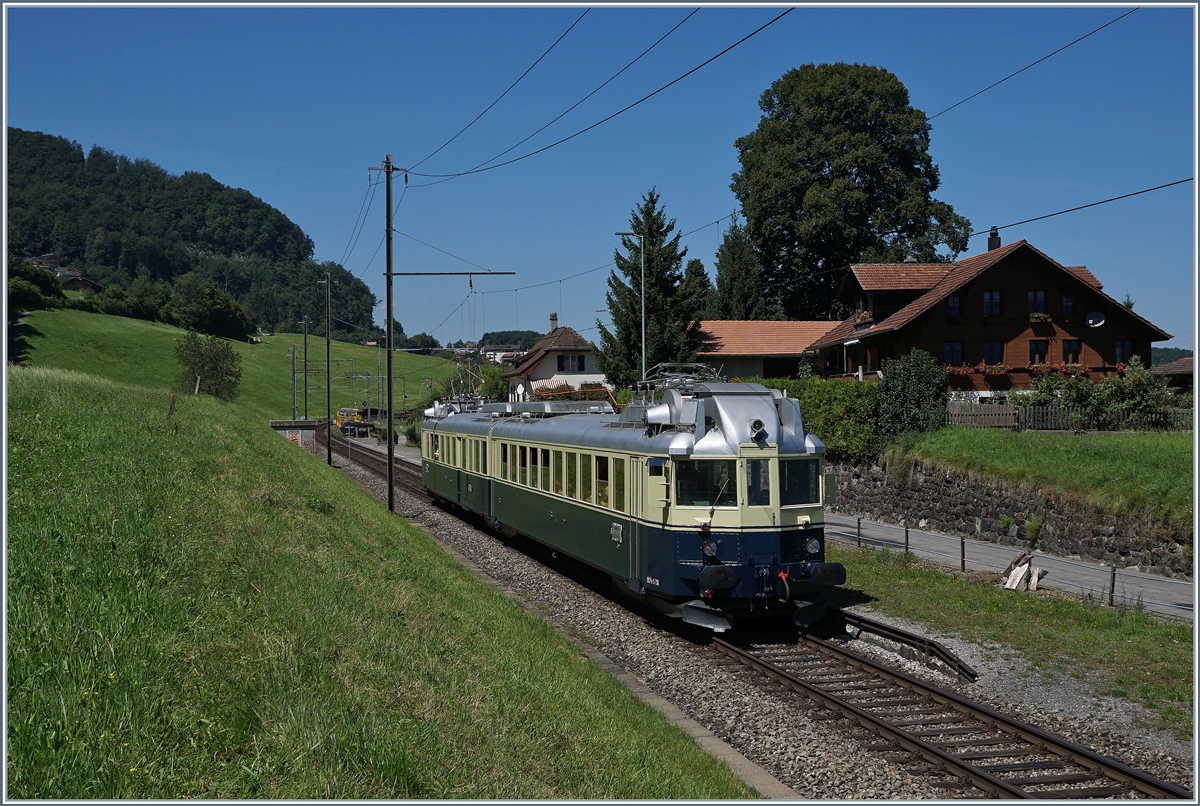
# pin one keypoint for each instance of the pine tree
(697, 291)
(671, 317)
(742, 292)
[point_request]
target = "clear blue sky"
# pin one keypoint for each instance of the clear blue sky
(294, 104)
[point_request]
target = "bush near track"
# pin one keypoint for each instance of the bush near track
(197, 609)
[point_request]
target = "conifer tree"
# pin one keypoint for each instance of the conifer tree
(671, 324)
(742, 291)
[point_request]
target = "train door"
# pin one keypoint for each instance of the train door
(637, 538)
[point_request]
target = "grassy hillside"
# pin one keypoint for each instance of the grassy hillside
(198, 609)
(1120, 472)
(143, 353)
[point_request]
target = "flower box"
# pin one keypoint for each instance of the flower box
(1039, 317)
(864, 318)
(995, 369)
(962, 371)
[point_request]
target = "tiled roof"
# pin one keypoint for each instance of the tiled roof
(558, 340)
(899, 276)
(1180, 366)
(962, 272)
(1083, 274)
(733, 337)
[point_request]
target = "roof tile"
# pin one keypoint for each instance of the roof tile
(735, 337)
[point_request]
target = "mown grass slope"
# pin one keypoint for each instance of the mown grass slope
(1119, 472)
(143, 353)
(198, 609)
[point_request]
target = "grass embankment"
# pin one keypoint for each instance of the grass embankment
(1136, 656)
(143, 353)
(1118, 472)
(198, 609)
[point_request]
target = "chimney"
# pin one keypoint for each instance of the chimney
(993, 239)
(553, 321)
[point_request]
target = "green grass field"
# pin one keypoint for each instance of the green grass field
(1119, 472)
(143, 353)
(198, 609)
(1135, 656)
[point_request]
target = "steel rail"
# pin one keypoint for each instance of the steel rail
(1048, 743)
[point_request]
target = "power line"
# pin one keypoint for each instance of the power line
(1085, 206)
(360, 223)
(355, 228)
(1026, 67)
(443, 251)
(515, 83)
(575, 105)
(613, 115)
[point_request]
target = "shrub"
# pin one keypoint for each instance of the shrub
(213, 361)
(912, 395)
(841, 412)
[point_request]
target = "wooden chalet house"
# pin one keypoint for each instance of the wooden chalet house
(995, 320)
(560, 357)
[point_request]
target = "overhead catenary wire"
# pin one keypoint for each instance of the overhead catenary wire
(1031, 64)
(573, 106)
(515, 83)
(619, 112)
(1085, 206)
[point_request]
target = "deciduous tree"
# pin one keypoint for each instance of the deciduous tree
(837, 172)
(213, 361)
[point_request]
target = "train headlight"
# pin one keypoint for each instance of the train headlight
(813, 545)
(710, 548)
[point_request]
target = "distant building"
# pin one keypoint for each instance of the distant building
(1180, 373)
(750, 349)
(496, 352)
(561, 357)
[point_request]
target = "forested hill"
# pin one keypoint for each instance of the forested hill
(120, 220)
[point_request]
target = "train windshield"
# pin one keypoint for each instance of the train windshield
(800, 482)
(706, 483)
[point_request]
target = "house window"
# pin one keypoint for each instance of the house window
(993, 352)
(1124, 350)
(954, 301)
(1037, 301)
(1068, 304)
(954, 353)
(1037, 350)
(992, 303)
(570, 363)
(1071, 351)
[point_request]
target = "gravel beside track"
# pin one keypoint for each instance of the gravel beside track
(818, 758)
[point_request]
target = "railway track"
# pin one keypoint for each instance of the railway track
(404, 474)
(956, 742)
(943, 733)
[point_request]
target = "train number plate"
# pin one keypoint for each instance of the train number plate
(618, 533)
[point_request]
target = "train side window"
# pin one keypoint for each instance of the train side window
(602, 481)
(512, 458)
(572, 473)
(546, 469)
(435, 446)
(483, 452)
(504, 460)
(524, 465)
(585, 477)
(619, 484)
(758, 483)
(558, 473)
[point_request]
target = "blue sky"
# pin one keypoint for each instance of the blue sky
(294, 104)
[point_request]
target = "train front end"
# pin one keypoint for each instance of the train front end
(744, 493)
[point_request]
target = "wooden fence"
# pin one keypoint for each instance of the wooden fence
(1059, 418)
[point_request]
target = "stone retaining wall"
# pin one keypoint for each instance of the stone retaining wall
(956, 502)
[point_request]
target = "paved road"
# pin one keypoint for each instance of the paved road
(1169, 597)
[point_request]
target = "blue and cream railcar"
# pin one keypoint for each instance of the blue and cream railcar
(708, 504)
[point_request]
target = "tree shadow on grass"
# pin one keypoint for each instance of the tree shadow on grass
(19, 334)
